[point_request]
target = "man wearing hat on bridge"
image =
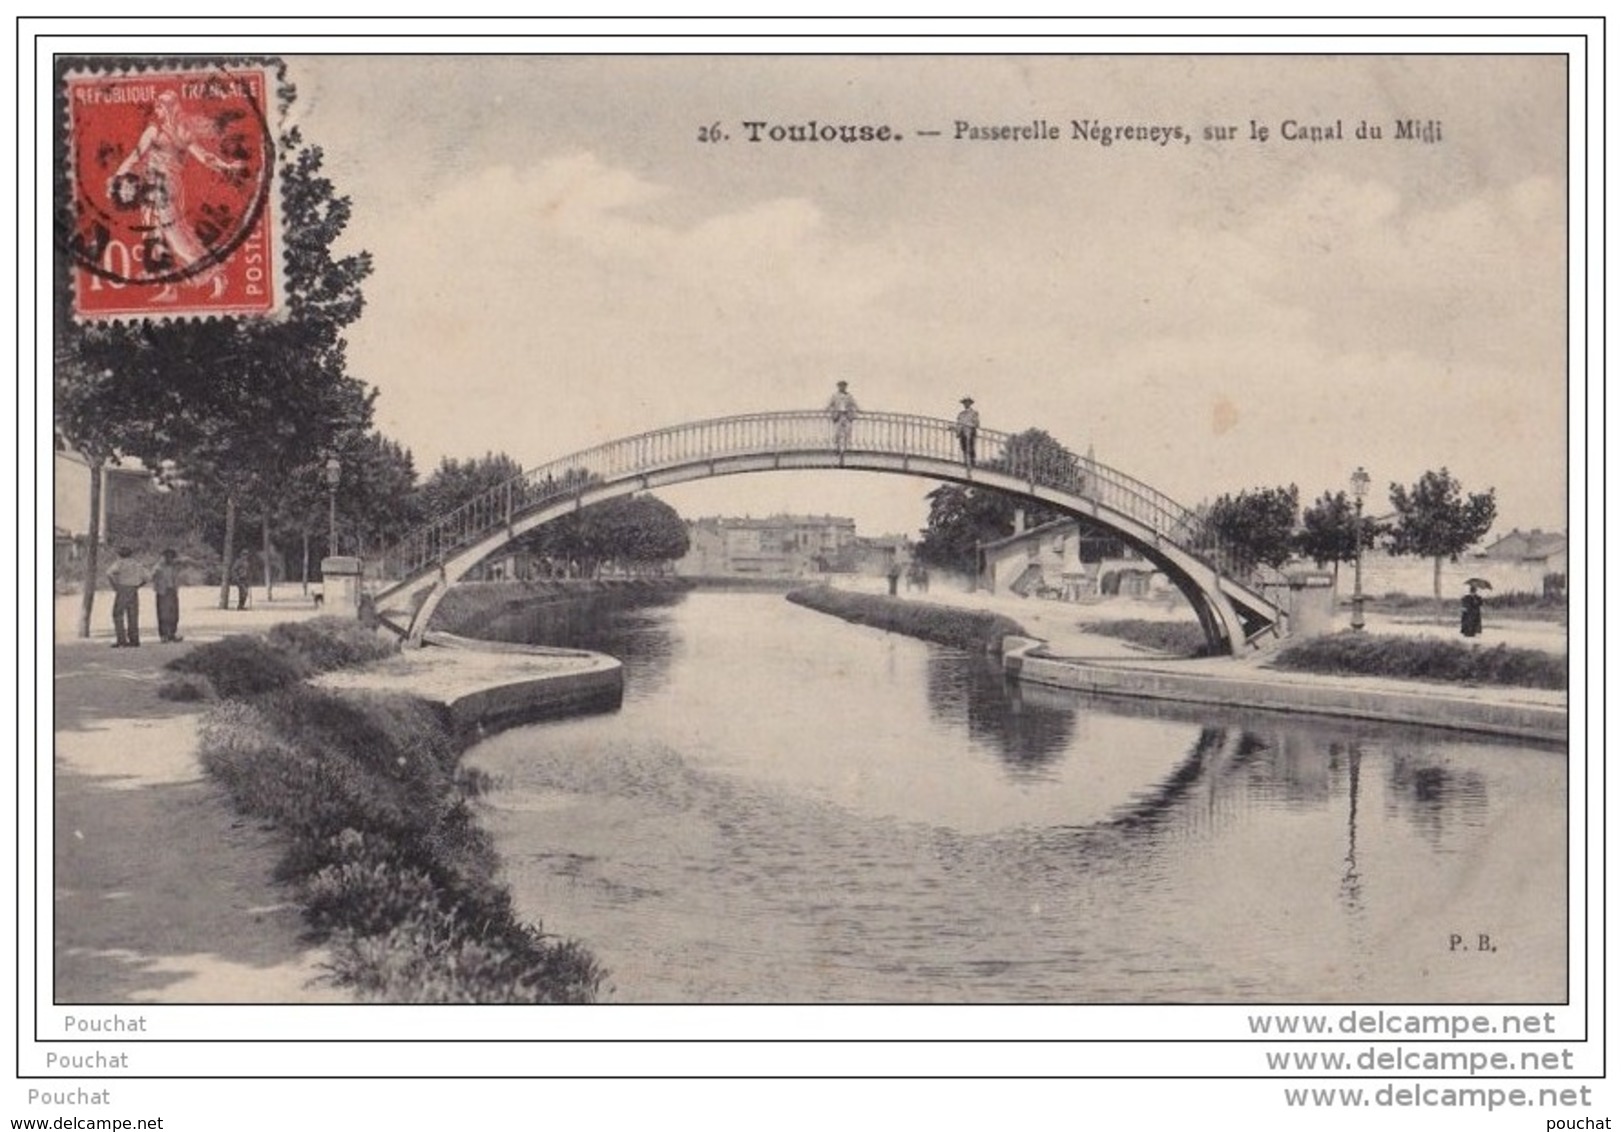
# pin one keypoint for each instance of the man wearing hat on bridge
(842, 411)
(968, 426)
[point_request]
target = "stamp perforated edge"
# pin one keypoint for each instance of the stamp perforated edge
(278, 95)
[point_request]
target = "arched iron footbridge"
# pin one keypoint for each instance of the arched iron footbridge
(1230, 598)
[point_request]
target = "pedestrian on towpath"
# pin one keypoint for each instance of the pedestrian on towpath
(127, 576)
(240, 570)
(166, 588)
(1470, 613)
(842, 411)
(968, 427)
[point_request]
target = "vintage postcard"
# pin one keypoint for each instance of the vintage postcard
(1088, 530)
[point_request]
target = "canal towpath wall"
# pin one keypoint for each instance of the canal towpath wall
(1054, 648)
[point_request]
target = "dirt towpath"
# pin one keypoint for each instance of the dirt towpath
(160, 891)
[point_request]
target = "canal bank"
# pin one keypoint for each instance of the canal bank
(1522, 713)
(483, 686)
(134, 919)
(1055, 649)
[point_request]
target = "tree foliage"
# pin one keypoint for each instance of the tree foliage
(1329, 530)
(1436, 520)
(960, 520)
(962, 517)
(1255, 526)
(635, 533)
(229, 405)
(455, 482)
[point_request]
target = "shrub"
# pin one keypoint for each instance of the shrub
(188, 687)
(241, 666)
(268, 777)
(432, 958)
(1423, 658)
(391, 865)
(328, 643)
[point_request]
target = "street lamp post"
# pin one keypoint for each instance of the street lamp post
(1360, 488)
(335, 471)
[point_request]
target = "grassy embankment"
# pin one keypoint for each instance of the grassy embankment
(1422, 658)
(1369, 654)
(1174, 638)
(393, 873)
(1503, 607)
(1359, 654)
(943, 624)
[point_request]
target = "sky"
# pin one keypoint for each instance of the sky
(561, 261)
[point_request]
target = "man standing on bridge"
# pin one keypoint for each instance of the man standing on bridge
(842, 411)
(968, 427)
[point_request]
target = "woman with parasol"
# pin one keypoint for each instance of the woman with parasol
(1470, 611)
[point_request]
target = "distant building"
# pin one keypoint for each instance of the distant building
(1518, 562)
(1057, 560)
(1536, 548)
(875, 555)
(121, 485)
(779, 546)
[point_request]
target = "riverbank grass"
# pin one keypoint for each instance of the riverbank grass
(1423, 658)
(1174, 638)
(384, 851)
(242, 665)
(943, 624)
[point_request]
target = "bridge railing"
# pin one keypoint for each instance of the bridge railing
(809, 431)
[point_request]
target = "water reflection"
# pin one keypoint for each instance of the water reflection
(970, 690)
(1434, 797)
(796, 822)
(633, 626)
(1351, 881)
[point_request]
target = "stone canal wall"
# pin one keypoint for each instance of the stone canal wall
(1502, 711)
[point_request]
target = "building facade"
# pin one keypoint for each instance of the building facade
(779, 546)
(1058, 560)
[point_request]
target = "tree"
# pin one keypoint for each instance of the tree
(1037, 456)
(641, 532)
(95, 407)
(961, 518)
(456, 482)
(231, 405)
(376, 497)
(1436, 520)
(1329, 531)
(1255, 526)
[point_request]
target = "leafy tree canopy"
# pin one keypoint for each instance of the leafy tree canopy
(1436, 520)
(455, 482)
(1329, 530)
(1255, 526)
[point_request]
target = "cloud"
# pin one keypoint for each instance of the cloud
(540, 309)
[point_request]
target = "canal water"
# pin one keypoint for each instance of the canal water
(789, 808)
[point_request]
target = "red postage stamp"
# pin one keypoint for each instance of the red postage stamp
(171, 178)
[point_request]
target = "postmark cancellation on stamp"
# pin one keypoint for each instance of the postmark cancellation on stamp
(173, 213)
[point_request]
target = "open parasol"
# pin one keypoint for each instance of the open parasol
(1479, 583)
